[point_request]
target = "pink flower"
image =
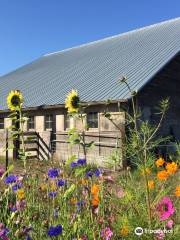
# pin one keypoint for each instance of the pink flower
(20, 205)
(108, 178)
(120, 193)
(165, 208)
(169, 224)
(160, 235)
(106, 233)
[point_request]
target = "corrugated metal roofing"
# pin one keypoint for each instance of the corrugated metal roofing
(94, 68)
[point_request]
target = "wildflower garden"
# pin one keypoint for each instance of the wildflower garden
(77, 200)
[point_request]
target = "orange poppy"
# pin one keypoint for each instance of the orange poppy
(162, 175)
(159, 162)
(95, 201)
(94, 189)
(171, 167)
(177, 192)
(151, 184)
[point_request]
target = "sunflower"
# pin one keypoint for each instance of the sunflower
(14, 100)
(72, 102)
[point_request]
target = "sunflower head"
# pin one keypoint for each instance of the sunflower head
(14, 100)
(72, 102)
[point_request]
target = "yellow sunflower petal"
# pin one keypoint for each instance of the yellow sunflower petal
(14, 100)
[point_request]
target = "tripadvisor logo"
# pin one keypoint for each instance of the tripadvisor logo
(138, 231)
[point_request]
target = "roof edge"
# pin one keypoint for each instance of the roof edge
(111, 37)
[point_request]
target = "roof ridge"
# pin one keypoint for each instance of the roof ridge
(114, 36)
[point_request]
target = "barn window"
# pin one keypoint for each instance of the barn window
(1, 123)
(92, 120)
(48, 122)
(31, 122)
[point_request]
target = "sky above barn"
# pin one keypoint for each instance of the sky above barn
(30, 29)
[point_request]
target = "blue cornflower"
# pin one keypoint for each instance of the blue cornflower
(10, 179)
(81, 162)
(89, 174)
(16, 186)
(13, 209)
(28, 237)
(52, 194)
(97, 172)
(60, 182)
(55, 231)
(53, 172)
(73, 164)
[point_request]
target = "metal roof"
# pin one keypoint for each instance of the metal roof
(94, 68)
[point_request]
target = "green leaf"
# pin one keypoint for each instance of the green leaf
(69, 191)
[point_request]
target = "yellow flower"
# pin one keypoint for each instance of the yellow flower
(146, 171)
(73, 200)
(162, 175)
(124, 231)
(53, 186)
(83, 182)
(159, 162)
(177, 192)
(14, 100)
(151, 184)
(72, 102)
(20, 194)
(43, 187)
(171, 167)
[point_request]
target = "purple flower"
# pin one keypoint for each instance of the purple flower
(55, 231)
(13, 209)
(10, 179)
(16, 186)
(81, 162)
(53, 194)
(2, 171)
(61, 182)
(97, 172)
(73, 164)
(28, 237)
(53, 172)
(165, 208)
(3, 232)
(80, 204)
(89, 174)
(106, 233)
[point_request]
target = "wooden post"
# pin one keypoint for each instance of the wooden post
(38, 143)
(7, 157)
(16, 141)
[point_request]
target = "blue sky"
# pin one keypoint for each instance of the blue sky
(32, 28)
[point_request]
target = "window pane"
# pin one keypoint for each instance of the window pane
(31, 122)
(48, 122)
(92, 120)
(1, 123)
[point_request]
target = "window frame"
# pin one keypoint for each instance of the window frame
(93, 120)
(50, 121)
(32, 122)
(2, 123)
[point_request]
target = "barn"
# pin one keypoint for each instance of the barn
(149, 57)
